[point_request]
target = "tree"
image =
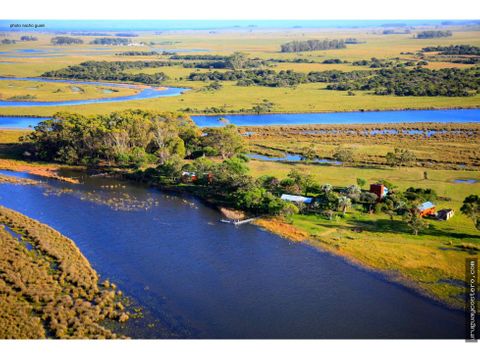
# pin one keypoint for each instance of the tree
(226, 140)
(414, 221)
(400, 157)
(471, 208)
(237, 61)
(343, 154)
(361, 182)
(309, 154)
(344, 203)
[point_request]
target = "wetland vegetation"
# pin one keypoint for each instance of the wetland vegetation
(50, 290)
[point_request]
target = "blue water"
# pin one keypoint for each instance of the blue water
(17, 122)
(197, 277)
(380, 117)
(292, 158)
(146, 93)
(358, 117)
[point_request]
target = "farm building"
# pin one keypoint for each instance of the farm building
(445, 214)
(427, 208)
(296, 198)
(188, 176)
(379, 189)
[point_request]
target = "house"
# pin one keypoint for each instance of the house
(379, 189)
(445, 214)
(188, 176)
(427, 208)
(296, 198)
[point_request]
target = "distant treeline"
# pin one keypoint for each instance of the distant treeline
(28, 38)
(110, 41)
(454, 49)
(65, 40)
(89, 34)
(376, 63)
(199, 57)
(395, 32)
(8, 41)
(312, 45)
(354, 41)
(111, 71)
(391, 81)
(137, 53)
(430, 34)
(126, 34)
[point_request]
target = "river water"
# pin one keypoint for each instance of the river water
(197, 277)
(146, 92)
(355, 117)
(379, 117)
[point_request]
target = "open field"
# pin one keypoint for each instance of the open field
(40, 91)
(256, 43)
(434, 145)
(432, 262)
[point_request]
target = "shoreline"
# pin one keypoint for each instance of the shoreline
(274, 225)
(395, 278)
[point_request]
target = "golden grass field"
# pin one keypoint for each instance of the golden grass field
(256, 43)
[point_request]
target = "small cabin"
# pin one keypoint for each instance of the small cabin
(188, 176)
(379, 189)
(297, 199)
(426, 209)
(445, 214)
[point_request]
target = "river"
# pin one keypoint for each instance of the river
(146, 92)
(377, 117)
(197, 277)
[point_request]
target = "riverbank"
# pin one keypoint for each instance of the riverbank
(48, 289)
(44, 170)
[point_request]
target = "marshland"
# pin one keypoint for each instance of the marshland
(92, 148)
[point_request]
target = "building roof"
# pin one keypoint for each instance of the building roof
(296, 198)
(425, 206)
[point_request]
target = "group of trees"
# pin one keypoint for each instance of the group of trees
(28, 38)
(128, 138)
(65, 40)
(430, 34)
(386, 81)
(400, 157)
(138, 53)
(376, 63)
(416, 82)
(8, 41)
(111, 71)
(236, 61)
(111, 41)
(454, 49)
(312, 45)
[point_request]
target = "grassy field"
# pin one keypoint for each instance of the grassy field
(40, 91)
(257, 43)
(432, 262)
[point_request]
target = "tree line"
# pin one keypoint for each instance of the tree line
(65, 40)
(430, 34)
(110, 41)
(312, 45)
(111, 71)
(454, 49)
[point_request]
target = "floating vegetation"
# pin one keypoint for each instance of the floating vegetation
(116, 200)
